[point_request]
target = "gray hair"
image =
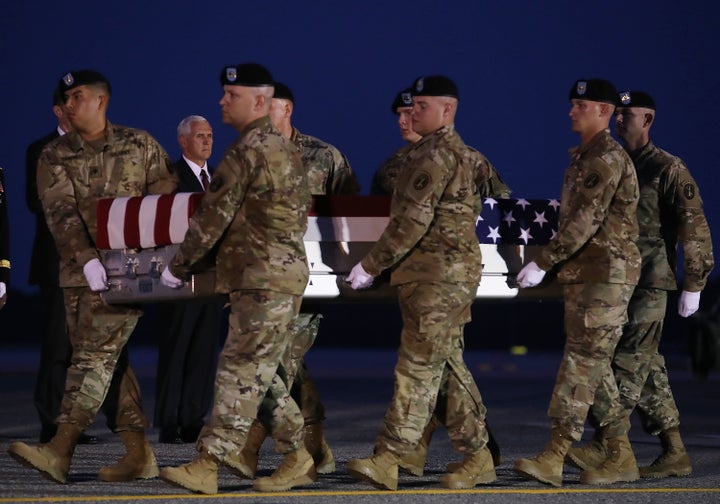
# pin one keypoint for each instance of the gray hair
(185, 125)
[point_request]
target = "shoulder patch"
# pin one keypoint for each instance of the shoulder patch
(216, 183)
(592, 180)
(689, 190)
(421, 181)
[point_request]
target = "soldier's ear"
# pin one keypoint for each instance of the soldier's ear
(649, 118)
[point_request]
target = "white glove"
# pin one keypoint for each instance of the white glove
(95, 275)
(3, 289)
(170, 280)
(359, 278)
(689, 303)
(530, 275)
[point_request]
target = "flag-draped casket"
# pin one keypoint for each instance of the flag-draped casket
(138, 236)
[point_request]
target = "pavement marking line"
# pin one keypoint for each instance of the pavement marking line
(329, 493)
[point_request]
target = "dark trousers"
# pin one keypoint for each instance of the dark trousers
(187, 359)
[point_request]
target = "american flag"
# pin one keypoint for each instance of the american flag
(517, 221)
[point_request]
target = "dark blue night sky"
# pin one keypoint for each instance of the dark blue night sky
(513, 61)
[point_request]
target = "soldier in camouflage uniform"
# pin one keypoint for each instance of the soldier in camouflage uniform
(670, 211)
(431, 246)
(384, 183)
(96, 160)
(599, 264)
(255, 212)
(4, 243)
(328, 172)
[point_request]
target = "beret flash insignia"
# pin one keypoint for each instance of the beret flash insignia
(407, 99)
(581, 87)
(419, 85)
(231, 74)
(625, 98)
(68, 79)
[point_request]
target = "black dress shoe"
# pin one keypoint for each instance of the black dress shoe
(170, 436)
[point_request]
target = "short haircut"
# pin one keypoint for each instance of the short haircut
(185, 125)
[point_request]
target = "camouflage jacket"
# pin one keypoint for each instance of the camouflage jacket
(597, 223)
(256, 211)
(431, 232)
(4, 233)
(670, 210)
(385, 177)
(73, 175)
(328, 170)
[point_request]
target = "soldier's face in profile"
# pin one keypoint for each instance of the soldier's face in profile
(427, 115)
(405, 124)
(585, 115)
(237, 105)
(82, 105)
(630, 122)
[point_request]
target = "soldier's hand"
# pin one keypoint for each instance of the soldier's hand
(530, 275)
(95, 275)
(170, 280)
(359, 278)
(689, 303)
(3, 294)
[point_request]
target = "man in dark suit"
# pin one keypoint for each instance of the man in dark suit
(188, 348)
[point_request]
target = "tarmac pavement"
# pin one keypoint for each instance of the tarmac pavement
(356, 386)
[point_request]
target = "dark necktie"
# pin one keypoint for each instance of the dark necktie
(204, 179)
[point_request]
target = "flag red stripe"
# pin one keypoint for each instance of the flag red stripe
(162, 218)
(131, 230)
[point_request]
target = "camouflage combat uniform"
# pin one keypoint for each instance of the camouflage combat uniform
(385, 177)
(431, 245)
(256, 211)
(599, 265)
(670, 210)
(72, 176)
(328, 172)
(4, 234)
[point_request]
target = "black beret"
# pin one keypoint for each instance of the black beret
(402, 99)
(599, 90)
(75, 78)
(636, 99)
(283, 92)
(434, 85)
(246, 74)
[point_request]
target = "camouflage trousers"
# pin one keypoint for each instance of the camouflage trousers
(594, 317)
(303, 332)
(431, 372)
(98, 333)
(250, 368)
(639, 368)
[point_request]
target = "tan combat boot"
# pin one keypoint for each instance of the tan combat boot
(380, 470)
(138, 463)
(589, 456)
(413, 462)
(53, 458)
(317, 446)
(477, 468)
(547, 466)
(492, 445)
(619, 465)
(244, 463)
(674, 460)
(297, 469)
(198, 476)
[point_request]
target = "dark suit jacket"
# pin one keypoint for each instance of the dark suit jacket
(188, 181)
(45, 262)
